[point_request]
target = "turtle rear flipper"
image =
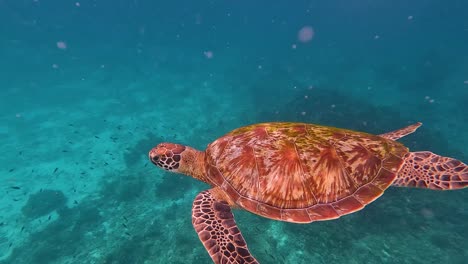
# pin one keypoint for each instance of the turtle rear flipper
(425, 169)
(217, 230)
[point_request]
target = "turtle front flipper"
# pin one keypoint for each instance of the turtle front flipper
(397, 134)
(425, 169)
(214, 222)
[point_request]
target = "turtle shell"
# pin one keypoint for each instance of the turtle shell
(298, 172)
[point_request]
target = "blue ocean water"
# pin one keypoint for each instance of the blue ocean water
(88, 87)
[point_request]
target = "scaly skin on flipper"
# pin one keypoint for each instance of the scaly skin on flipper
(427, 170)
(217, 230)
(397, 134)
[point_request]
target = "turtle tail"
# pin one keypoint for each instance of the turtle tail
(425, 169)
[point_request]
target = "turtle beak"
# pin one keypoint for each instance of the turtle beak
(154, 157)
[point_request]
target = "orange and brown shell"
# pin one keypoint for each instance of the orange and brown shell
(301, 173)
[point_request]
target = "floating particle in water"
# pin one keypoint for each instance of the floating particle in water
(410, 17)
(18, 115)
(293, 46)
(303, 113)
(55, 66)
(260, 67)
(306, 97)
(198, 19)
(61, 45)
(427, 98)
(465, 82)
(427, 213)
(332, 106)
(376, 37)
(306, 34)
(141, 31)
(208, 54)
(77, 4)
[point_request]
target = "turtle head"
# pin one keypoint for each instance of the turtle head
(179, 158)
(167, 156)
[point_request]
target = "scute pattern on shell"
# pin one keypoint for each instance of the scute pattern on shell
(274, 169)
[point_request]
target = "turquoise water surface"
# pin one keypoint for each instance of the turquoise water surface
(88, 87)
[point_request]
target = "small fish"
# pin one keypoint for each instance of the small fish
(15, 187)
(75, 202)
(2, 224)
(55, 170)
(105, 163)
(125, 218)
(49, 217)
(11, 244)
(124, 225)
(22, 228)
(97, 137)
(64, 151)
(11, 170)
(21, 152)
(70, 125)
(128, 234)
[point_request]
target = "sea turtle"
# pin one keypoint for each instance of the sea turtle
(297, 172)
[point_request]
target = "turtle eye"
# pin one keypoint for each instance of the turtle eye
(155, 159)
